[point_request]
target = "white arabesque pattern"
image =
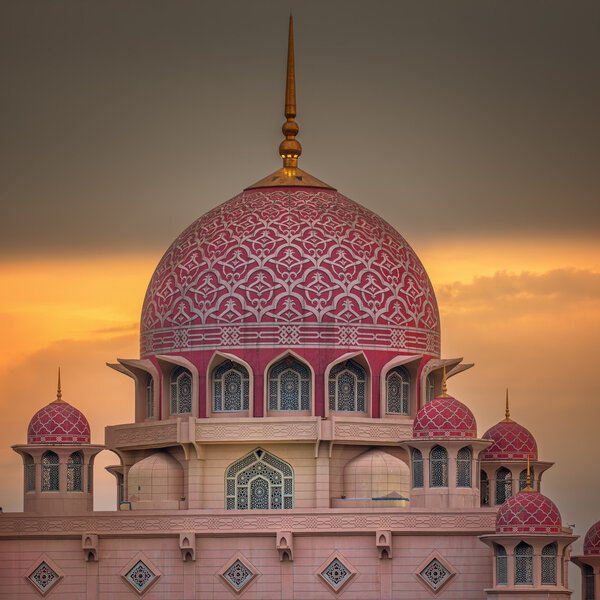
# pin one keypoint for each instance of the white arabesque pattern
(297, 266)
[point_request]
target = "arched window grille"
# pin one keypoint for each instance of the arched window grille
(50, 470)
(549, 564)
(524, 564)
(429, 388)
(501, 565)
(588, 582)
(503, 485)
(29, 473)
(484, 489)
(348, 387)
(438, 467)
(181, 391)
(463, 468)
(259, 481)
(75, 472)
(397, 391)
(289, 385)
(417, 468)
(523, 479)
(90, 476)
(231, 387)
(149, 397)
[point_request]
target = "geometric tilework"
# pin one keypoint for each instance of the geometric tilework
(238, 575)
(140, 576)
(435, 574)
(43, 577)
(528, 512)
(591, 543)
(511, 441)
(58, 423)
(335, 574)
(238, 572)
(283, 266)
(444, 418)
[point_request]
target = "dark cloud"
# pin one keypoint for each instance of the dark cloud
(122, 122)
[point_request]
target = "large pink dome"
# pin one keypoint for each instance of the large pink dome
(510, 441)
(445, 417)
(293, 267)
(528, 512)
(58, 423)
(591, 543)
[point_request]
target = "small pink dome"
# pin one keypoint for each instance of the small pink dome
(528, 512)
(591, 543)
(58, 423)
(445, 417)
(511, 441)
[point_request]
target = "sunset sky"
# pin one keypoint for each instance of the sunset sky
(472, 127)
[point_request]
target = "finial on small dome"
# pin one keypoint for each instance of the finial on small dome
(507, 418)
(444, 385)
(528, 487)
(59, 389)
(290, 149)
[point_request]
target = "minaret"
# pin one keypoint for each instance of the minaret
(58, 460)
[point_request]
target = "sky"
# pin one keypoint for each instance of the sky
(472, 127)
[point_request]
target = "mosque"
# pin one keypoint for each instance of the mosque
(294, 437)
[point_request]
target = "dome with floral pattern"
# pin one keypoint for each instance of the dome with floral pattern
(528, 512)
(510, 441)
(58, 423)
(591, 543)
(445, 417)
(290, 267)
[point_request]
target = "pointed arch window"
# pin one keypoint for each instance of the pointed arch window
(463, 467)
(588, 582)
(231, 387)
(75, 472)
(523, 479)
(524, 564)
(503, 485)
(181, 391)
(429, 388)
(259, 481)
(417, 468)
(29, 473)
(549, 564)
(484, 490)
(397, 391)
(501, 565)
(149, 397)
(50, 472)
(438, 467)
(348, 387)
(289, 385)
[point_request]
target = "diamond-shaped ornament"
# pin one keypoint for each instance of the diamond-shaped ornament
(44, 577)
(336, 574)
(140, 576)
(238, 572)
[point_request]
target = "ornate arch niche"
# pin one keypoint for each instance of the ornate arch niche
(259, 481)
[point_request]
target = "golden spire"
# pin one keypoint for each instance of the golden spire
(507, 418)
(528, 487)
(444, 386)
(59, 389)
(290, 149)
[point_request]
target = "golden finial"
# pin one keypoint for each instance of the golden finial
(59, 389)
(290, 149)
(528, 487)
(507, 418)
(444, 386)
